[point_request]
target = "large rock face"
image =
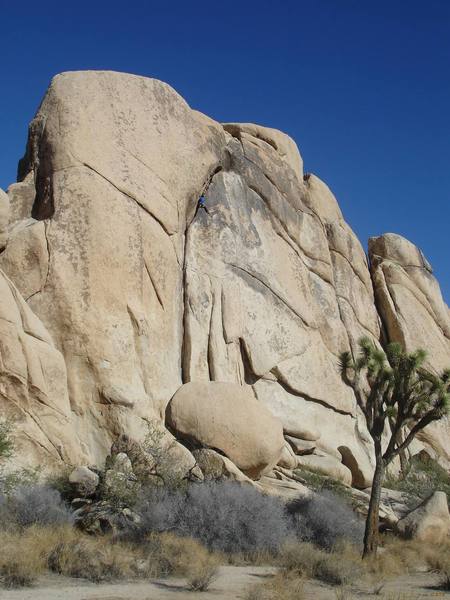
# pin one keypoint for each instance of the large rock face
(413, 313)
(142, 291)
(33, 386)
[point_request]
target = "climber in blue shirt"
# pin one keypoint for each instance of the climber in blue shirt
(202, 204)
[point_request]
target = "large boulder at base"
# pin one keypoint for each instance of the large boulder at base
(228, 417)
(429, 522)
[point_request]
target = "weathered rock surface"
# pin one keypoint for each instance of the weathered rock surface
(414, 314)
(33, 387)
(429, 522)
(144, 293)
(4, 219)
(227, 417)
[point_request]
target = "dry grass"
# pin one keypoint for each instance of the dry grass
(341, 567)
(27, 554)
(278, 587)
(167, 554)
(23, 556)
(96, 559)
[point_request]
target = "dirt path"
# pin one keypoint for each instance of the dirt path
(231, 584)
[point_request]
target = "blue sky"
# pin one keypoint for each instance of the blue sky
(363, 87)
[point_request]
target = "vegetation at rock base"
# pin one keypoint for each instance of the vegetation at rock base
(396, 393)
(319, 482)
(423, 476)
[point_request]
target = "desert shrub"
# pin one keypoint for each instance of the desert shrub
(18, 566)
(23, 555)
(98, 559)
(278, 587)
(90, 561)
(318, 482)
(167, 554)
(325, 520)
(33, 505)
(300, 558)
(10, 479)
(225, 516)
(201, 573)
(6, 440)
(423, 477)
(338, 570)
(340, 567)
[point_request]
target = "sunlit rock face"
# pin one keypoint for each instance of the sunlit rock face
(142, 290)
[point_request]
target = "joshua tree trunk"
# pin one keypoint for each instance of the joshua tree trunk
(372, 522)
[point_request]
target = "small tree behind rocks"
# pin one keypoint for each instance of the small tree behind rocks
(398, 396)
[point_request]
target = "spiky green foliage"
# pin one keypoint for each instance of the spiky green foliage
(6, 441)
(395, 387)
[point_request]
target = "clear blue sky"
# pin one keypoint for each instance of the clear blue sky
(363, 87)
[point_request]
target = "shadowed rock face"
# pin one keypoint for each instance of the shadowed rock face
(142, 291)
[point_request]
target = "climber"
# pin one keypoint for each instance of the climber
(202, 204)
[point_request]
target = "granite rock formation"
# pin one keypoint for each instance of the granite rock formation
(139, 291)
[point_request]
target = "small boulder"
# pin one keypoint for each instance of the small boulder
(216, 467)
(122, 464)
(105, 518)
(429, 522)
(84, 481)
(227, 416)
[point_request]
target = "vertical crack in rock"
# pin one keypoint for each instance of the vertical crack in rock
(155, 289)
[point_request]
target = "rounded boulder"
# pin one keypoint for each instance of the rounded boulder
(228, 417)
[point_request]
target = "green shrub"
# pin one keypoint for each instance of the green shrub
(318, 482)
(423, 477)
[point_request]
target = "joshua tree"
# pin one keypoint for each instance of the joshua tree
(398, 397)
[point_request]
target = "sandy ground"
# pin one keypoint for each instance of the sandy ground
(231, 583)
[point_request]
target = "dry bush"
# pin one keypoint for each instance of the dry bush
(96, 559)
(278, 587)
(326, 519)
(33, 504)
(338, 570)
(23, 555)
(301, 558)
(202, 573)
(224, 516)
(340, 567)
(166, 554)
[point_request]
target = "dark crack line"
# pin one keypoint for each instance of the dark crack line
(154, 286)
(353, 269)
(282, 300)
(128, 195)
(287, 388)
(340, 297)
